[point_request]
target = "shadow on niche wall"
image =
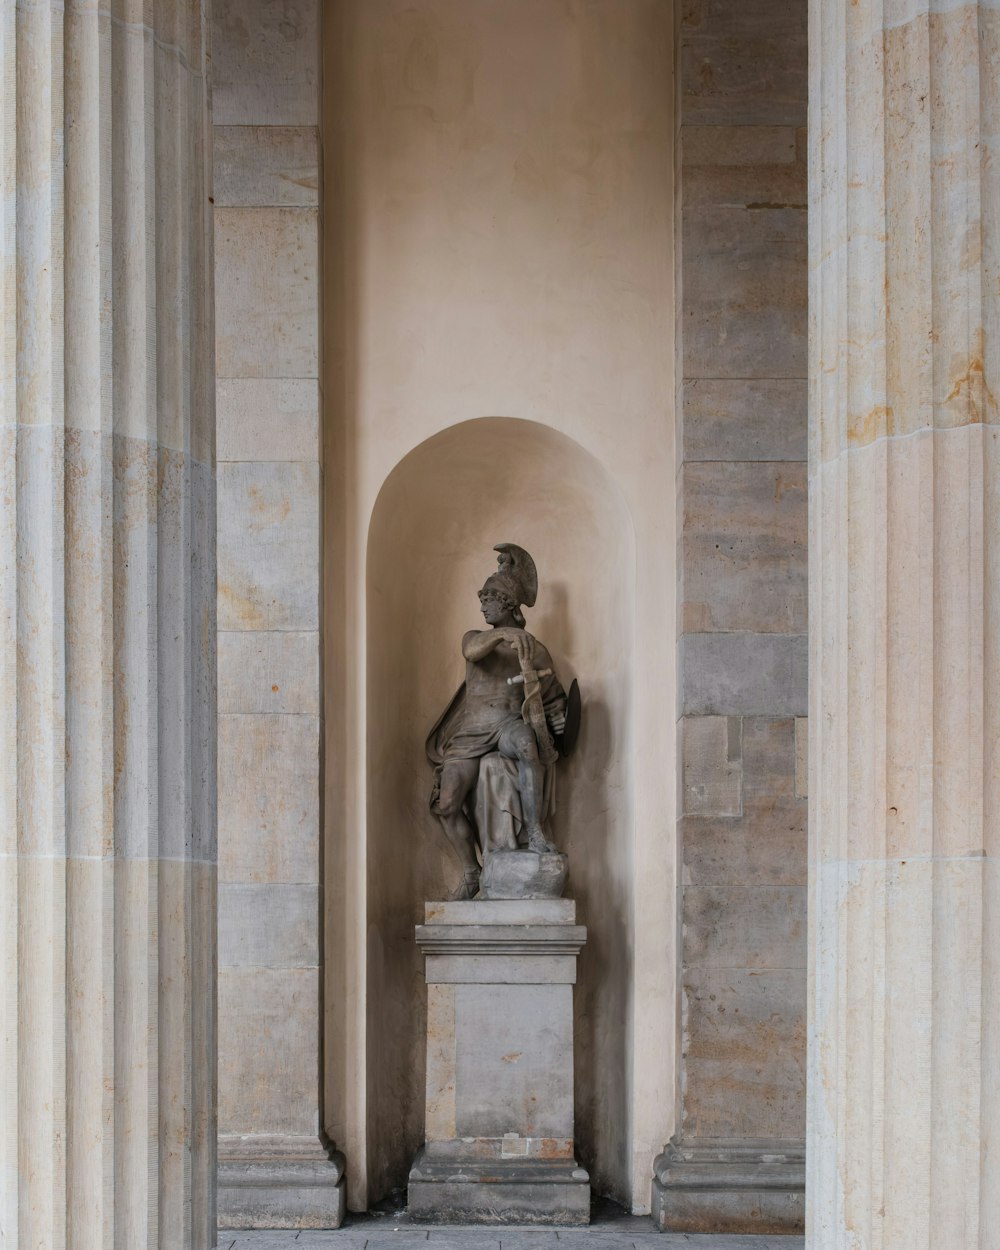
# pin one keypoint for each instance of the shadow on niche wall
(430, 543)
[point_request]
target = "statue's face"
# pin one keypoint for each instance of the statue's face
(495, 608)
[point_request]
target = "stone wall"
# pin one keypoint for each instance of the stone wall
(266, 143)
(742, 537)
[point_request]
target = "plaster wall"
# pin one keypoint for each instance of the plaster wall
(498, 243)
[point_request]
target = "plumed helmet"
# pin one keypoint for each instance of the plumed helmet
(517, 569)
(515, 578)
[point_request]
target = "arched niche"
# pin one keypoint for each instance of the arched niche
(430, 542)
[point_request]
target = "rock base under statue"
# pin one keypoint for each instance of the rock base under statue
(499, 1118)
(523, 874)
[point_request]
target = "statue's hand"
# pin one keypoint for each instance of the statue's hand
(524, 645)
(557, 721)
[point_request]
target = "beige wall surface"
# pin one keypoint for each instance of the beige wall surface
(498, 241)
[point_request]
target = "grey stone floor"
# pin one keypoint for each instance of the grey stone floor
(625, 1233)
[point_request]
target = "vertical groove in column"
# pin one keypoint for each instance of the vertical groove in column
(107, 839)
(9, 888)
(903, 611)
(87, 577)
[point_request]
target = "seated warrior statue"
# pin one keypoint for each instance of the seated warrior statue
(493, 748)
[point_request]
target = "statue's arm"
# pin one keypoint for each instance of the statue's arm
(478, 643)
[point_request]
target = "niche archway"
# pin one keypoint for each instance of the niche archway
(430, 542)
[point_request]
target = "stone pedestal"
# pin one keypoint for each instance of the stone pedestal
(499, 1126)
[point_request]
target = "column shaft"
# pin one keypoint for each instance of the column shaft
(904, 620)
(107, 627)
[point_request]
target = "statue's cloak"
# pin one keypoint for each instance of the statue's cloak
(494, 807)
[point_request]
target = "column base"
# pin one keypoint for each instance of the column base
(497, 1191)
(730, 1186)
(280, 1182)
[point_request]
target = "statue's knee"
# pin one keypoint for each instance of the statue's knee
(448, 804)
(527, 749)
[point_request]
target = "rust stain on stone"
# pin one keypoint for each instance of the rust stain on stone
(969, 384)
(867, 428)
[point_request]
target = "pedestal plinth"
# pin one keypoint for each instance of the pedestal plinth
(499, 1126)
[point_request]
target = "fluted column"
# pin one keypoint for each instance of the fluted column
(107, 623)
(904, 1101)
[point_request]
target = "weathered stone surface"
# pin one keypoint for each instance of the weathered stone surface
(523, 874)
(724, 1186)
(747, 419)
(766, 846)
(270, 926)
(499, 1093)
(742, 589)
(743, 548)
(266, 166)
(274, 1181)
(744, 1052)
(744, 311)
(756, 167)
(267, 419)
(743, 64)
(712, 764)
(733, 926)
(267, 292)
(268, 1013)
(743, 674)
(904, 607)
(502, 911)
(269, 546)
(801, 757)
(265, 63)
(107, 632)
(268, 799)
(269, 671)
(500, 1192)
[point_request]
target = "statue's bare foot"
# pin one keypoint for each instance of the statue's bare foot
(467, 888)
(539, 843)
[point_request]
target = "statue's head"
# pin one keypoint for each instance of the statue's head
(514, 583)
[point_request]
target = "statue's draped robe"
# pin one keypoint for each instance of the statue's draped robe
(467, 730)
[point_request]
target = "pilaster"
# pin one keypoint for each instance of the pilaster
(276, 1167)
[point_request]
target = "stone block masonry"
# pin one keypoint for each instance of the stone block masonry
(737, 1161)
(276, 1168)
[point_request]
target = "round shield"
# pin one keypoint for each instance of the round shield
(567, 739)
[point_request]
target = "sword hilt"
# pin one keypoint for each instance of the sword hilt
(519, 679)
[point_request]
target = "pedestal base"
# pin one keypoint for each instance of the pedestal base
(499, 1119)
(498, 1191)
(746, 1186)
(280, 1182)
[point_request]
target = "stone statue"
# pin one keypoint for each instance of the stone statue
(494, 747)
